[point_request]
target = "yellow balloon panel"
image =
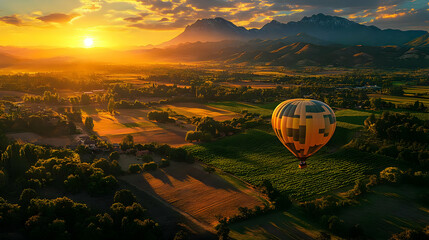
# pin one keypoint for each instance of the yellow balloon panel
(303, 125)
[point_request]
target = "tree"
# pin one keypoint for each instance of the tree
(222, 229)
(181, 235)
(209, 169)
(114, 156)
(159, 116)
(26, 196)
(111, 106)
(124, 196)
(391, 174)
(127, 142)
(12, 161)
(3, 179)
(89, 123)
(134, 168)
(73, 183)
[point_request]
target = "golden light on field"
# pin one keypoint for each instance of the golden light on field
(88, 42)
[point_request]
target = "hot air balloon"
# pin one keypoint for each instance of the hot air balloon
(304, 126)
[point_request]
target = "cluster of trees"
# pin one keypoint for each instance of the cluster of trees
(412, 234)
(357, 78)
(41, 82)
(16, 158)
(45, 123)
(207, 128)
(53, 98)
(159, 116)
(396, 135)
(62, 218)
(137, 168)
(96, 178)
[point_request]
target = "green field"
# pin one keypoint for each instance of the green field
(264, 109)
(257, 155)
(417, 90)
(392, 208)
(401, 99)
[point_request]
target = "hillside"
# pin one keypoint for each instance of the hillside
(422, 41)
(283, 52)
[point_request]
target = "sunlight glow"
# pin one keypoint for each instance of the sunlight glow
(88, 42)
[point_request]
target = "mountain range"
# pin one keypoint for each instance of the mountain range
(319, 40)
(332, 29)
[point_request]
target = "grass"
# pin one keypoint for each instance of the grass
(392, 208)
(264, 109)
(292, 224)
(257, 155)
(401, 99)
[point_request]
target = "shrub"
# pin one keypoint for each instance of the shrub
(114, 156)
(209, 169)
(151, 166)
(73, 183)
(134, 168)
(410, 235)
(124, 196)
(26, 196)
(391, 174)
(179, 155)
(181, 235)
(159, 116)
(164, 163)
(197, 136)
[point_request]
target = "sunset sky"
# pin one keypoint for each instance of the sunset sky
(129, 23)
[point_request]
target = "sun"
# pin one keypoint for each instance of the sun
(88, 42)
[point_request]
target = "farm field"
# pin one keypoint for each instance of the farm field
(264, 109)
(257, 155)
(200, 194)
(135, 122)
(400, 99)
(34, 138)
(392, 209)
(417, 90)
(200, 110)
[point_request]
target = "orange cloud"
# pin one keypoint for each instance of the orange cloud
(14, 20)
(394, 15)
(59, 17)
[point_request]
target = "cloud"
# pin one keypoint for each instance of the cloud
(133, 19)
(90, 5)
(162, 25)
(13, 19)
(208, 4)
(58, 17)
(157, 4)
(411, 19)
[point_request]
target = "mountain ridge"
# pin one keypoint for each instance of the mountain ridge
(334, 29)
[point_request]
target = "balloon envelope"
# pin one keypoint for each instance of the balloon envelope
(303, 125)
